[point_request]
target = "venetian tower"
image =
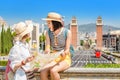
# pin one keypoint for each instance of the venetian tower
(74, 31)
(99, 32)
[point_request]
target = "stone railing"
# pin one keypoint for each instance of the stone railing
(81, 74)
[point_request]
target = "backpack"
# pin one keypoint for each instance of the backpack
(72, 51)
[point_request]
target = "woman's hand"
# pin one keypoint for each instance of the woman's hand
(29, 59)
(47, 52)
(47, 49)
(36, 69)
(63, 54)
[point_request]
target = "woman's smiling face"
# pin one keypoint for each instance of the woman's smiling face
(50, 25)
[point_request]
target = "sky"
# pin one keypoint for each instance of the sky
(86, 11)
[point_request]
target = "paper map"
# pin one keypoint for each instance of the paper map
(42, 59)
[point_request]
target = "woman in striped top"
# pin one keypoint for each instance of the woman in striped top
(56, 41)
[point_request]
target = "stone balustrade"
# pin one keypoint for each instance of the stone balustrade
(81, 73)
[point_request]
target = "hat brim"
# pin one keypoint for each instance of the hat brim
(49, 19)
(28, 30)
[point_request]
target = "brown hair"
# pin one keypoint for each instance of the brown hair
(56, 25)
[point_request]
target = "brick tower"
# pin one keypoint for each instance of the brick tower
(99, 32)
(74, 31)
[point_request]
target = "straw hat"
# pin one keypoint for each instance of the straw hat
(22, 29)
(54, 17)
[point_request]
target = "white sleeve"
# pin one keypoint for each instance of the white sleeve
(14, 57)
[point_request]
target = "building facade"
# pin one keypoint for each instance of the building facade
(110, 42)
(34, 42)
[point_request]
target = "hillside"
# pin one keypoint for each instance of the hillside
(92, 28)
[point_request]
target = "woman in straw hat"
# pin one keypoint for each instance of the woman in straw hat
(19, 56)
(56, 40)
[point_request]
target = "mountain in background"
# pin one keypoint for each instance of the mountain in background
(92, 28)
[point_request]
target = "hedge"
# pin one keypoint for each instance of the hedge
(3, 63)
(102, 66)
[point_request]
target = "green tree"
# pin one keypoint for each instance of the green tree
(90, 41)
(2, 40)
(81, 42)
(9, 38)
(0, 43)
(42, 41)
(6, 40)
(42, 38)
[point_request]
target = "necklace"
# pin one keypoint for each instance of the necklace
(56, 35)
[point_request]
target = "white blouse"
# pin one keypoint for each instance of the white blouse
(18, 53)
